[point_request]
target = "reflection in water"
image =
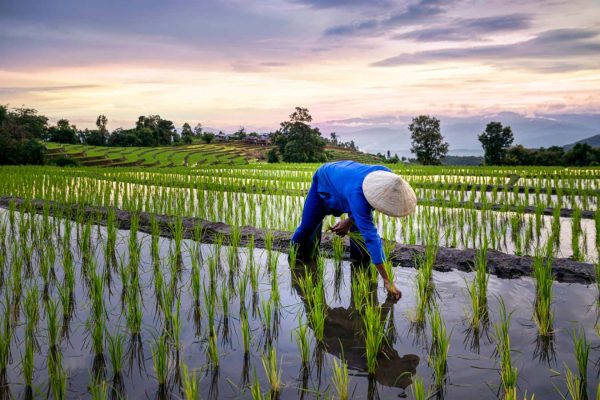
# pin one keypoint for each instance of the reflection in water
(343, 338)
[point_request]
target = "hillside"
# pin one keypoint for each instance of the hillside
(593, 141)
(229, 153)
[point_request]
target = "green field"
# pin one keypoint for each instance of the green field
(194, 155)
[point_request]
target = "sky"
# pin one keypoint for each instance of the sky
(248, 63)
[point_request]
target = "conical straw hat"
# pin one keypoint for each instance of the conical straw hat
(390, 194)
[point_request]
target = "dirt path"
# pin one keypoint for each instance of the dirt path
(500, 264)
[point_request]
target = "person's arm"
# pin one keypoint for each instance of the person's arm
(363, 219)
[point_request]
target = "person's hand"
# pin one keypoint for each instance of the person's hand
(342, 227)
(393, 292)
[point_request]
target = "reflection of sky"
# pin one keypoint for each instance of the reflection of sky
(469, 372)
(233, 62)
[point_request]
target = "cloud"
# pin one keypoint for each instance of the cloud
(551, 46)
(469, 29)
(411, 15)
(343, 3)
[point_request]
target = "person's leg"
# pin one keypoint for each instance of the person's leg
(308, 235)
(358, 251)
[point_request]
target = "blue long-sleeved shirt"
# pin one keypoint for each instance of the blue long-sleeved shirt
(339, 190)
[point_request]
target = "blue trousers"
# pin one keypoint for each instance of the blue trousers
(308, 235)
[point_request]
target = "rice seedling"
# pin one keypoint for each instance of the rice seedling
(418, 389)
(338, 249)
(32, 312)
(273, 263)
(160, 357)
(52, 324)
(440, 344)
(339, 379)
(374, 333)
(212, 350)
(544, 280)
(582, 352)
(424, 291)
(575, 386)
(57, 376)
(576, 233)
(477, 290)
(209, 304)
(255, 389)
(508, 372)
(191, 389)
(314, 295)
(293, 254)
(99, 390)
(27, 362)
(116, 352)
(360, 288)
(302, 341)
(269, 362)
(246, 333)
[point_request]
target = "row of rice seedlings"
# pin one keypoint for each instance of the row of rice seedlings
(440, 345)
(141, 198)
(508, 372)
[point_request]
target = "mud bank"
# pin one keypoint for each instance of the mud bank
(500, 264)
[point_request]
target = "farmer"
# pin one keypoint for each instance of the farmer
(356, 189)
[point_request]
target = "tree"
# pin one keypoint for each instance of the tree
(187, 134)
(63, 132)
(19, 136)
(495, 140)
(427, 141)
(297, 141)
(272, 156)
(240, 133)
(198, 129)
(208, 137)
(580, 155)
(101, 122)
(334, 138)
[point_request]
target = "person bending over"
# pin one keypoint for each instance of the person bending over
(355, 189)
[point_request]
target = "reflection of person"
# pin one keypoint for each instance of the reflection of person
(356, 189)
(342, 337)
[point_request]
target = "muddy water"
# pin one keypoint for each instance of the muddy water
(473, 370)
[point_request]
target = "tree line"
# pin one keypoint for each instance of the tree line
(23, 132)
(497, 142)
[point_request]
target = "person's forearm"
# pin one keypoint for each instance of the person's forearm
(382, 272)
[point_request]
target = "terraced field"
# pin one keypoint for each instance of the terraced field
(173, 156)
(231, 153)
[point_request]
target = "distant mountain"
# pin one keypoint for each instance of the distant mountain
(593, 141)
(380, 134)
